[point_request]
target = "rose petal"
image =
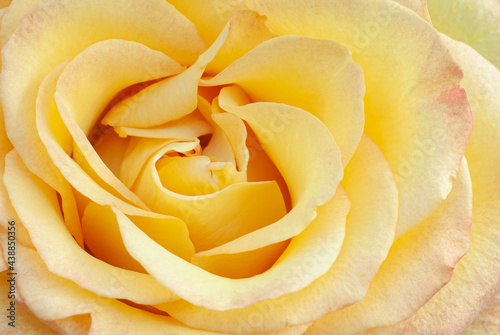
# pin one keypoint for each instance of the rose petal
(83, 178)
(219, 146)
(25, 322)
(159, 103)
(329, 84)
(246, 31)
(415, 110)
(199, 175)
(476, 278)
(488, 322)
(209, 16)
(16, 10)
(419, 263)
(77, 325)
(474, 22)
(50, 297)
(94, 76)
(33, 52)
(207, 290)
(241, 265)
(86, 78)
(41, 215)
(4, 3)
(316, 247)
(371, 223)
(6, 211)
(312, 171)
(418, 6)
(188, 128)
(236, 133)
(111, 148)
(103, 237)
(215, 218)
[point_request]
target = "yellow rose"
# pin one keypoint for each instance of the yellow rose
(250, 167)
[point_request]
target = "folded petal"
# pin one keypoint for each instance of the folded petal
(185, 128)
(371, 223)
(41, 215)
(91, 80)
(318, 76)
(216, 217)
(327, 230)
(247, 30)
(103, 238)
(415, 110)
(165, 101)
(209, 16)
(207, 290)
(75, 170)
(312, 171)
(25, 322)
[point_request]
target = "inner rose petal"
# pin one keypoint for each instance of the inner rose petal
(159, 103)
(311, 166)
(188, 127)
(318, 76)
(215, 218)
(319, 243)
(371, 223)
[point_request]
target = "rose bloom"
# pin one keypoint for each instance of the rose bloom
(250, 167)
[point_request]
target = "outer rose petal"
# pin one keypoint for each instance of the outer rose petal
(41, 216)
(419, 263)
(415, 110)
(50, 297)
(418, 6)
(371, 223)
(475, 22)
(476, 278)
(488, 322)
(25, 322)
(5, 147)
